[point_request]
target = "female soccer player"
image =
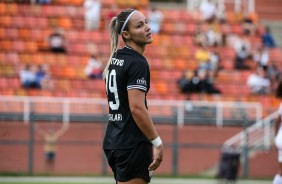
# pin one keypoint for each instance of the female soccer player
(278, 136)
(130, 133)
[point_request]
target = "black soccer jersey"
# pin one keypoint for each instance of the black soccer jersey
(128, 70)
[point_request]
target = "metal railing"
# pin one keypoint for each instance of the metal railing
(217, 113)
(259, 135)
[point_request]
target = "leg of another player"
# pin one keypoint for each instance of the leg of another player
(278, 177)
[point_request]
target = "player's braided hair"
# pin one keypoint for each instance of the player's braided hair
(116, 25)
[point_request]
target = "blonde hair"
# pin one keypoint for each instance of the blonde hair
(114, 43)
(117, 25)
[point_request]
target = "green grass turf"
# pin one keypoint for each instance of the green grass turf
(51, 183)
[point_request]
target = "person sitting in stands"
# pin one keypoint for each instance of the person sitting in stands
(28, 77)
(267, 38)
(258, 83)
(57, 41)
(94, 68)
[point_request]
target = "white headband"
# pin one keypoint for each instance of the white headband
(124, 24)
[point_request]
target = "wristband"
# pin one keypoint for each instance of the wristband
(156, 142)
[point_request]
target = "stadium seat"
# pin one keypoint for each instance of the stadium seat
(19, 46)
(5, 45)
(3, 8)
(12, 33)
(42, 22)
(12, 8)
(6, 21)
(2, 33)
(65, 23)
(12, 58)
(24, 33)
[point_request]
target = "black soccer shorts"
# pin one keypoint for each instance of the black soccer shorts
(128, 164)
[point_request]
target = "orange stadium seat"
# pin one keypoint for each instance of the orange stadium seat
(6, 21)
(65, 23)
(180, 64)
(12, 58)
(31, 22)
(18, 21)
(7, 92)
(21, 92)
(12, 8)
(12, 33)
(37, 58)
(2, 33)
(53, 22)
(37, 34)
(2, 57)
(42, 22)
(5, 45)
(161, 87)
(19, 46)
(25, 58)
(31, 46)
(24, 33)
(3, 8)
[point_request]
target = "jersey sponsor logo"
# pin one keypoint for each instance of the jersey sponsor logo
(118, 62)
(115, 117)
(142, 81)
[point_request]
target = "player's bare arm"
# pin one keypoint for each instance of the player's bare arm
(145, 123)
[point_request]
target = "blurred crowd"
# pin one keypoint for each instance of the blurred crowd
(251, 56)
(209, 37)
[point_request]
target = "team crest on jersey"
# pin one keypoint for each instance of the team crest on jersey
(142, 81)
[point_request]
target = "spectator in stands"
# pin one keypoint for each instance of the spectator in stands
(57, 41)
(267, 38)
(206, 85)
(207, 10)
(248, 25)
(196, 82)
(242, 55)
(258, 82)
(278, 135)
(28, 77)
(92, 14)
(202, 56)
(261, 56)
(155, 19)
(43, 77)
(214, 63)
(50, 137)
(199, 38)
(94, 68)
(43, 1)
(185, 82)
(213, 37)
(274, 74)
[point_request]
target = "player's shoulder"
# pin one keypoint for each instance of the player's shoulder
(130, 58)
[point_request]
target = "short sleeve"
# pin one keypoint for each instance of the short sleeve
(138, 75)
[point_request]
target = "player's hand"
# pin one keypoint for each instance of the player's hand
(157, 158)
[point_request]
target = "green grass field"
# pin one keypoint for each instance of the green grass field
(110, 180)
